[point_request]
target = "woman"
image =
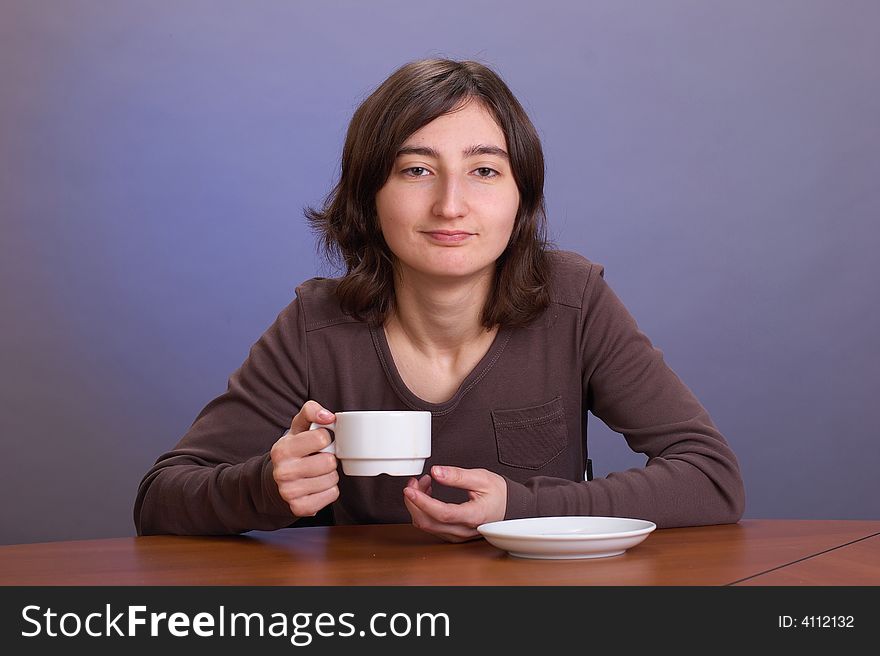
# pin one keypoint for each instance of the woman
(451, 302)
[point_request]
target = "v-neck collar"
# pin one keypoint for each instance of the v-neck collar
(380, 341)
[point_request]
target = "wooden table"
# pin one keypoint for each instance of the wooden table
(752, 552)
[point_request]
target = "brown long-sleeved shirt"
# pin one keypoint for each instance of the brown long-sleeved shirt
(522, 412)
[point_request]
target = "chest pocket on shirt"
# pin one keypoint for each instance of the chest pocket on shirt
(529, 438)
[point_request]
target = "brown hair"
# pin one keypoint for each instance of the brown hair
(348, 225)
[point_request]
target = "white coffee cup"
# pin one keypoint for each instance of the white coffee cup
(373, 442)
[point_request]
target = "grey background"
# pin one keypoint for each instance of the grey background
(721, 159)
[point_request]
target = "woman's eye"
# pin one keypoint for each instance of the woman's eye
(421, 172)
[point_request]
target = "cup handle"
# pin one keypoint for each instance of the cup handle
(330, 448)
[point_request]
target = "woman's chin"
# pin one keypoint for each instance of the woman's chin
(448, 264)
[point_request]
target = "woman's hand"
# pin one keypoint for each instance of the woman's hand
(306, 479)
(456, 522)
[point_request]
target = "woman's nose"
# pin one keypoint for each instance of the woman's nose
(450, 202)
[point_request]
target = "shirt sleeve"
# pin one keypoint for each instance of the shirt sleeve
(691, 477)
(218, 478)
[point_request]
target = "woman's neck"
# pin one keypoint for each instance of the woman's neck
(439, 317)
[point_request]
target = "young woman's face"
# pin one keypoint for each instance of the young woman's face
(447, 209)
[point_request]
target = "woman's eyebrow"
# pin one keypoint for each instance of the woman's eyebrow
(480, 149)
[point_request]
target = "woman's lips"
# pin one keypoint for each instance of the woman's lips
(449, 236)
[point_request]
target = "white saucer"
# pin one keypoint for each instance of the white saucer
(566, 537)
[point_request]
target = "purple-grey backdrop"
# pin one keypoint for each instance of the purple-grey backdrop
(721, 159)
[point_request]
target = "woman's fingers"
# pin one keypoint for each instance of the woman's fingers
(440, 512)
(299, 445)
(421, 508)
(312, 411)
(301, 487)
(306, 477)
(317, 464)
(456, 521)
(309, 484)
(309, 505)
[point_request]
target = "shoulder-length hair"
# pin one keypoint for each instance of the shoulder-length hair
(348, 225)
